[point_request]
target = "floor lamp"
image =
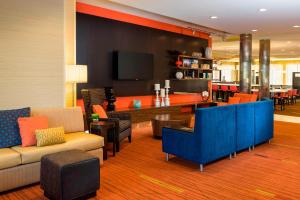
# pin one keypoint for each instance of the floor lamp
(76, 74)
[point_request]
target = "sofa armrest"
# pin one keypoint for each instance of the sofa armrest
(181, 143)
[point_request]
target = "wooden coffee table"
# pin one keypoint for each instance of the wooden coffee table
(166, 120)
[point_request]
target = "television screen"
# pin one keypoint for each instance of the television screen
(132, 66)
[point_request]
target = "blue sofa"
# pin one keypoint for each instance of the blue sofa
(221, 131)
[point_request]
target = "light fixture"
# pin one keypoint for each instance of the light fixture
(296, 26)
(254, 30)
(76, 74)
(213, 17)
(262, 10)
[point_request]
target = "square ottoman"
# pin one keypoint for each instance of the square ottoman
(72, 174)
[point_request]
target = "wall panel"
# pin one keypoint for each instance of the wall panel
(31, 53)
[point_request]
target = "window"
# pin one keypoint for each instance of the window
(227, 73)
(276, 74)
(290, 68)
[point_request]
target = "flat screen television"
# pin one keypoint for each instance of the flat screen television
(132, 66)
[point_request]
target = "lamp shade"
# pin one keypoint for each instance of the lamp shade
(76, 73)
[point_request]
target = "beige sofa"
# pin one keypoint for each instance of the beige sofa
(20, 166)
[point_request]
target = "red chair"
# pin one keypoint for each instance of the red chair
(224, 89)
(282, 98)
(290, 97)
(295, 95)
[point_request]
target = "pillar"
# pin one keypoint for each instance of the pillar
(245, 62)
(264, 68)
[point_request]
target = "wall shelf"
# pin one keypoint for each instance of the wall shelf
(193, 68)
(191, 79)
(193, 57)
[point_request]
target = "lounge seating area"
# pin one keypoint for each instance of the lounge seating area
(20, 166)
(127, 100)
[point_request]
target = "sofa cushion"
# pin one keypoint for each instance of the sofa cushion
(79, 140)
(28, 125)
(124, 124)
(9, 128)
(50, 136)
(69, 118)
(9, 158)
(98, 109)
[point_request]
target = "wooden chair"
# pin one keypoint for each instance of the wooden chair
(122, 120)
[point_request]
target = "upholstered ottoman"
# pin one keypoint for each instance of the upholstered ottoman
(71, 174)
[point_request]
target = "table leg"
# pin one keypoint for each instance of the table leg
(104, 134)
(104, 153)
(114, 142)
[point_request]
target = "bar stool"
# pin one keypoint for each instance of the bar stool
(224, 89)
(215, 89)
(233, 89)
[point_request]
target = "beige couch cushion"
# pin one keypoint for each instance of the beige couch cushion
(9, 158)
(80, 140)
(69, 118)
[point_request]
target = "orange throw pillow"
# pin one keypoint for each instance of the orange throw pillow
(234, 100)
(28, 125)
(98, 109)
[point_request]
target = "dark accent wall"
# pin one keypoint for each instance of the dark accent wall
(97, 38)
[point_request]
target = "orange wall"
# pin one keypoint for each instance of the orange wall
(127, 102)
(129, 18)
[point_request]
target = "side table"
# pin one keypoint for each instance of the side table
(102, 128)
(164, 120)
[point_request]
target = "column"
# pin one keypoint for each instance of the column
(264, 68)
(245, 62)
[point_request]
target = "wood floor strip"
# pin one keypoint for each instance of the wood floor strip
(265, 193)
(162, 184)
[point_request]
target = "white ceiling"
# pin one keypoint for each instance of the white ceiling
(236, 17)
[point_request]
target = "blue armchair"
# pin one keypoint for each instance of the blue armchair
(214, 136)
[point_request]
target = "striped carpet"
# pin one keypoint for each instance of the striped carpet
(139, 171)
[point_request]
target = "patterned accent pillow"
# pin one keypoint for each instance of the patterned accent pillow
(50, 136)
(9, 128)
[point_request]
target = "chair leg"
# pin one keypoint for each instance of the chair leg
(129, 138)
(249, 149)
(117, 146)
(234, 154)
(230, 156)
(167, 157)
(201, 167)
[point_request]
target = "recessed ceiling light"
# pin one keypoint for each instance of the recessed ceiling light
(262, 10)
(254, 30)
(296, 26)
(213, 17)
